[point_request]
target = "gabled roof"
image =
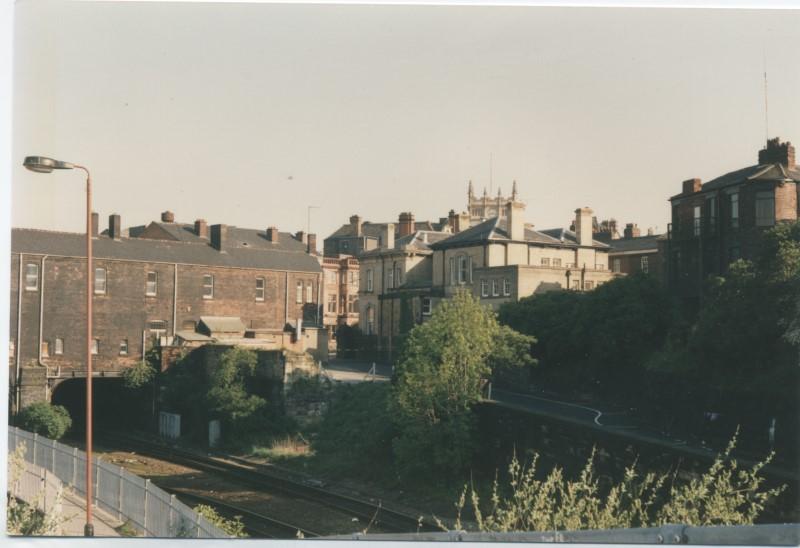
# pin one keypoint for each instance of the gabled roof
(760, 172)
(418, 242)
(375, 230)
(243, 249)
(496, 230)
(641, 243)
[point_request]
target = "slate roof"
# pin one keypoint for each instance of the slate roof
(416, 241)
(223, 324)
(496, 230)
(375, 230)
(642, 243)
(243, 249)
(760, 172)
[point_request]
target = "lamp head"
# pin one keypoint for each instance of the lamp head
(40, 164)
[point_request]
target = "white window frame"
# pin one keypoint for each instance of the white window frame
(45, 349)
(734, 210)
(427, 306)
(453, 273)
(644, 264)
(298, 295)
(484, 288)
(463, 269)
(332, 303)
(31, 275)
(697, 220)
(58, 347)
(506, 287)
(208, 286)
(148, 284)
(123, 347)
(100, 281)
(261, 291)
(495, 288)
(309, 292)
(95, 347)
(390, 275)
(398, 276)
(616, 265)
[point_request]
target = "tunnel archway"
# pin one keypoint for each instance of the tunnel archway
(115, 407)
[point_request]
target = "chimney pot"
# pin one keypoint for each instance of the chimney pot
(114, 226)
(406, 220)
(690, 186)
(300, 236)
(355, 220)
(312, 244)
(272, 234)
(776, 152)
(167, 217)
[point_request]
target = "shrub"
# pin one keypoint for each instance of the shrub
(234, 527)
(48, 420)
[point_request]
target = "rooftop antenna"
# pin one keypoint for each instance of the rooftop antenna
(766, 103)
(308, 220)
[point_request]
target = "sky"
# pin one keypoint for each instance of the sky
(246, 114)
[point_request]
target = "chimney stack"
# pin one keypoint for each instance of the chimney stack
(690, 186)
(406, 223)
(272, 234)
(95, 224)
(452, 220)
(312, 244)
(583, 226)
(777, 153)
(114, 226)
(300, 236)
(201, 228)
(356, 222)
(387, 236)
(516, 225)
(218, 234)
(632, 231)
(167, 217)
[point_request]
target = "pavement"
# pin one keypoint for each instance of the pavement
(74, 510)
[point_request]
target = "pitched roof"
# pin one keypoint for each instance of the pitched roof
(418, 242)
(223, 324)
(760, 172)
(641, 243)
(495, 229)
(244, 249)
(375, 230)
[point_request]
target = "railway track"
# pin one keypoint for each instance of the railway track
(253, 475)
(256, 525)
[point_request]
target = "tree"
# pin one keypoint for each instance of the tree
(144, 372)
(51, 421)
(228, 396)
(440, 375)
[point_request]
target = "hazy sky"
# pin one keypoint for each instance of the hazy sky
(247, 114)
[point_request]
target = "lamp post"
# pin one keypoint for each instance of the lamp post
(40, 164)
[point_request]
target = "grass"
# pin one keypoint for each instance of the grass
(127, 530)
(284, 448)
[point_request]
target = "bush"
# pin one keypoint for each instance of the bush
(234, 527)
(51, 421)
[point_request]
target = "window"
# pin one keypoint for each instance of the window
(370, 320)
(735, 210)
(123, 347)
(426, 306)
(332, 304)
(698, 218)
(711, 202)
(158, 328)
(588, 285)
(345, 245)
(45, 349)
(309, 292)
(299, 293)
(100, 281)
(369, 280)
(545, 261)
(495, 288)
(464, 267)
(617, 265)
(11, 349)
(576, 284)
(506, 287)
(765, 208)
(453, 274)
(208, 286)
(600, 266)
(484, 288)
(59, 347)
(151, 285)
(95, 346)
(260, 284)
(398, 276)
(352, 304)
(644, 264)
(556, 262)
(31, 277)
(390, 274)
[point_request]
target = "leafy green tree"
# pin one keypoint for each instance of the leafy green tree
(441, 373)
(228, 396)
(143, 373)
(51, 421)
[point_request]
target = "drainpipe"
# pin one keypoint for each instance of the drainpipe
(19, 337)
(41, 315)
(286, 301)
(175, 303)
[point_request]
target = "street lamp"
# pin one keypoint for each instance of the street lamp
(40, 164)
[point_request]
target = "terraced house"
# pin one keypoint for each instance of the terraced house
(165, 283)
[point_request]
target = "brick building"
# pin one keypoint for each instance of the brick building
(635, 253)
(162, 283)
(340, 292)
(359, 236)
(722, 220)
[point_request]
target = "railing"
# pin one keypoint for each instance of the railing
(748, 535)
(36, 486)
(128, 497)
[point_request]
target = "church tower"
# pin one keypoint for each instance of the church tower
(486, 207)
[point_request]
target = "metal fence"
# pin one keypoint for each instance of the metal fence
(153, 512)
(37, 487)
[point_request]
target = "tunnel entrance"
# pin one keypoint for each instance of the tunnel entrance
(115, 407)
